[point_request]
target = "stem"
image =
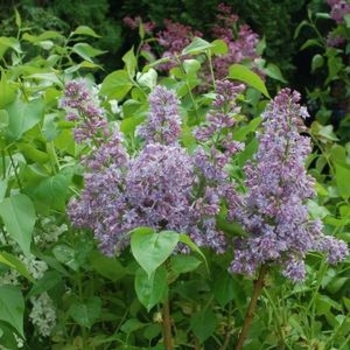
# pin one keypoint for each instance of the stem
(259, 284)
(15, 170)
(168, 342)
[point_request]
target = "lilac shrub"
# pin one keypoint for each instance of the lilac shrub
(274, 211)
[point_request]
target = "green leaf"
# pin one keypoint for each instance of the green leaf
(203, 324)
(86, 51)
(151, 290)
(183, 263)
(3, 189)
(66, 255)
(130, 62)
(274, 72)
(18, 19)
(109, 268)
(14, 263)
(116, 85)
(247, 76)
(241, 132)
(18, 215)
(86, 313)
(311, 43)
(148, 79)
(12, 307)
(7, 91)
(23, 116)
(53, 191)
(317, 62)
(347, 20)
(342, 176)
(9, 42)
(223, 288)
(219, 47)
(4, 119)
(85, 30)
(187, 240)
(50, 280)
(191, 66)
(197, 45)
(132, 325)
(151, 249)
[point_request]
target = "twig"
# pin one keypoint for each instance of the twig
(259, 284)
(167, 336)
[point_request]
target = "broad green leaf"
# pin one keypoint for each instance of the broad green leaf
(274, 72)
(85, 30)
(247, 76)
(316, 210)
(219, 47)
(7, 91)
(32, 153)
(23, 116)
(241, 132)
(310, 43)
(223, 288)
(86, 313)
(342, 176)
(86, 51)
(148, 79)
(132, 325)
(183, 263)
(347, 20)
(203, 324)
(187, 240)
(18, 215)
(16, 264)
(151, 290)
(197, 45)
(9, 42)
(47, 35)
(12, 307)
(53, 190)
(116, 85)
(151, 249)
(66, 255)
(191, 66)
(130, 62)
(107, 267)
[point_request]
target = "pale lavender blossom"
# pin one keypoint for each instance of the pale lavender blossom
(82, 107)
(163, 123)
(274, 210)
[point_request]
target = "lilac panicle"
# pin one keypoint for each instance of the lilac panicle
(162, 186)
(274, 210)
(82, 106)
(163, 123)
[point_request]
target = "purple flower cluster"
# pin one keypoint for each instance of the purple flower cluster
(163, 124)
(339, 8)
(273, 211)
(162, 186)
(82, 108)
(212, 158)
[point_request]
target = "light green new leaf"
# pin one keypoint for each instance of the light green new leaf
(7, 91)
(18, 215)
(86, 51)
(85, 30)
(23, 116)
(247, 76)
(151, 249)
(116, 85)
(130, 62)
(197, 45)
(12, 307)
(342, 176)
(151, 290)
